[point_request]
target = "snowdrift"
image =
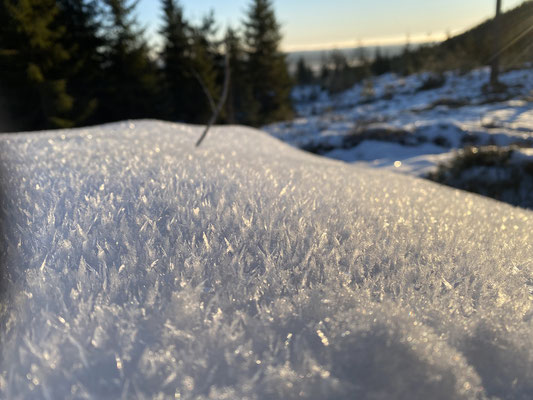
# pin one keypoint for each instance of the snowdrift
(136, 266)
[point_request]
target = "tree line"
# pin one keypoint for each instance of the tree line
(505, 41)
(66, 63)
(338, 71)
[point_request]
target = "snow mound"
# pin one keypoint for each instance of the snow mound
(136, 266)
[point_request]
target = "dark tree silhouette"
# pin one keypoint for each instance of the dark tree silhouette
(32, 59)
(81, 19)
(130, 84)
(267, 67)
(240, 105)
(177, 64)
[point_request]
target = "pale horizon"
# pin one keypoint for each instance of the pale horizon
(310, 25)
(419, 38)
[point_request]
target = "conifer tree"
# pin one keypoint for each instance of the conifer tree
(83, 70)
(176, 58)
(204, 66)
(130, 85)
(7, 51)
(190, 70)
(240, 106)
(267, 67)
(304, 74)
(31, 56)
(381, 63)
(407, 59)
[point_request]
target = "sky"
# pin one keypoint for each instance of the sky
(325, 24)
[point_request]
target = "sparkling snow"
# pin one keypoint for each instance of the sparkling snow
(136, 266)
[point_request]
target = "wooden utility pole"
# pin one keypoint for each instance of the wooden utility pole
(495, 67)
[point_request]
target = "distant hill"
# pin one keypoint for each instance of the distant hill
(315, 58)
(470, 49)
(476, 46)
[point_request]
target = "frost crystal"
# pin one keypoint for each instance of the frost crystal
(136, 266)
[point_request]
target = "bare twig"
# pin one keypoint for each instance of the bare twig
(216, 110)
(206, 91)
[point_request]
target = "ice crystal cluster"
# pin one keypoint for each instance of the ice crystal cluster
(136, 266)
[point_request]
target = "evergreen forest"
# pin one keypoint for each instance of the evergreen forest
(510, 39)
(71, 63)
(68, 63)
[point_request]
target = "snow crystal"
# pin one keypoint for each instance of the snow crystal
(137, 266)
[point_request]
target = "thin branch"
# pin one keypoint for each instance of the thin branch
(222, 100)
(206, 91)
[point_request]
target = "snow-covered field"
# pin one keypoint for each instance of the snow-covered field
(415, 129)
(136, 266)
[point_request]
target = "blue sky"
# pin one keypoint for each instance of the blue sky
(318, 24)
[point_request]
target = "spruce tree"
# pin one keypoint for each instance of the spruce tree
(304, 74)
(407, 59)
(32, 58)
(240, 105)
(81, 19)
(381, 64)
(207, 67)
(267, 67)
(192, 65)
(130, 84)
(177, 63)
(7, 52)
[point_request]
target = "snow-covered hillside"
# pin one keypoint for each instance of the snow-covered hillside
(412, 124)
(137, 266)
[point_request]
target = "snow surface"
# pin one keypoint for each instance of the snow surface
(136, 266)
(437, 121)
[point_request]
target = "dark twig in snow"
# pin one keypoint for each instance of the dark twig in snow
(218, 108)
(206, 92)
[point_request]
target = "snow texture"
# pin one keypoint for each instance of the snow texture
(136, 266)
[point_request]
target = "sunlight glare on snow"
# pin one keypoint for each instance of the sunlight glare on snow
(246, 269)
